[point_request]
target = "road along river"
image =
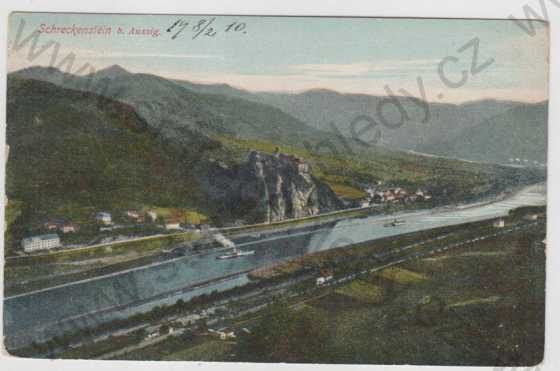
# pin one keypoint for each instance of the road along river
(45, 313)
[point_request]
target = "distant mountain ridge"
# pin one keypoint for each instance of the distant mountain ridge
(440, 135)
(179, 113)
(502, 138)
(184, 109)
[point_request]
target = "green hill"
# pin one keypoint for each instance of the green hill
(74, 153)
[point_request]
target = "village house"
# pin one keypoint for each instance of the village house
(223, 334)
(423, 194)
(411, 198)
(68, 228)
(393, 195)
(103, 217)
(171, 224)
(135, 216)
(500, 223)
(51, 226)
(41, 242)
(189, 319)
(132, 214)
(323, 280)
(62, 226)
(325, 276)
(151, 335)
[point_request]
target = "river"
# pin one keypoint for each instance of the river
(39, 315)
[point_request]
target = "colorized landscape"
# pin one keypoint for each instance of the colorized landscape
(256, 214)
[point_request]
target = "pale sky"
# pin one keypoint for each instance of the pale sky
(352, 55)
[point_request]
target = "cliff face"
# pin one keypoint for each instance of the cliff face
(269, 188)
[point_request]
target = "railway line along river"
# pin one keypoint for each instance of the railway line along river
(39, 315)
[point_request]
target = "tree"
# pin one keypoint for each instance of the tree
(202, 325)
(180, 304)
(430, 310)
(160, 220)
(164, 329)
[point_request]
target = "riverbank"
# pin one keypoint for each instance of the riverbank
(353, 258)
(392, 266)
(150, 251)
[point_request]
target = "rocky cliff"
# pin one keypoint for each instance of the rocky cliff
(268, 188)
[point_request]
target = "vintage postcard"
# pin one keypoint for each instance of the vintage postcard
(276, 189)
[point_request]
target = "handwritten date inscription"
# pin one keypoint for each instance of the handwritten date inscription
(204, 27)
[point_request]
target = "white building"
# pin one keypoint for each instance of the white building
(132, 214)
(68, 228)
(223, 334)
(500, 223)
(323, 280)
(42, 242)
(151, 335)
(103, 218)
(172, 224)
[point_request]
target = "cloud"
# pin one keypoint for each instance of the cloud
(333, 69)
(97, 58)
(365, 69)
(158, 55)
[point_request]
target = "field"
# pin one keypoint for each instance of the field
(203, 348)
(481, 306)
(362, 291)
(212, 350)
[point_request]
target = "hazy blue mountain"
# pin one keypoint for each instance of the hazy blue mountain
(446, 123)
(433, 128)
(519, 133)
(220, 109)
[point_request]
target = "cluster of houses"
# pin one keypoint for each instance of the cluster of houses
(393, 195)
(49, 240)
(151, 216)
(104, 219)
(525, 162)
(60, 226)
(183, 325)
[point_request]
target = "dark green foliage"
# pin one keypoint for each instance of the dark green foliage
(286, 335)
(74, 153)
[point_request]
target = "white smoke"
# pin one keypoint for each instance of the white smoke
(222, 240)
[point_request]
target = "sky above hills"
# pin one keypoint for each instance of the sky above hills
(354, 55)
